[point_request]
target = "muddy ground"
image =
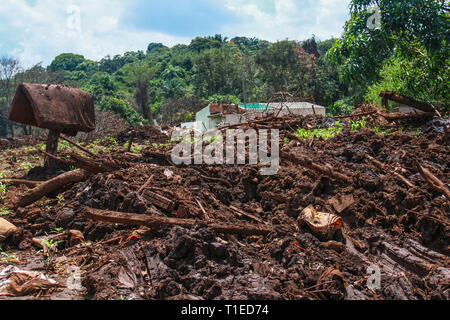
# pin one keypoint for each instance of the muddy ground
(403, 230)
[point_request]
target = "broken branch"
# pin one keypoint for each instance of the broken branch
(432, 180)
(153, 222)
(50, 186)
(309, 164)
(78, 146)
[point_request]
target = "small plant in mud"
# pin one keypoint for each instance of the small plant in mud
(325, 134)
(358, 125)
(61, 200)
(9, 257)
(418, 133)
(2, 190)
(58, 230)
(137, 149)
(86, 244)
(379, 131)
(26, 165)
(5, 212)
(51, 247)
(63, 145)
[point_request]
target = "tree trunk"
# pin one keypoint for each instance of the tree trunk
(52, 148)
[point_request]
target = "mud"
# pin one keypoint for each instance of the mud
(402, 230)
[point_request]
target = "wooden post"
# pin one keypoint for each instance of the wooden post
(52, 148)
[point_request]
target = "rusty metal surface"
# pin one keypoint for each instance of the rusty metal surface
(223, 108)
(56, 107)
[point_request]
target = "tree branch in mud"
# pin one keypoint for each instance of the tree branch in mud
(79, 147)
(326, 170)
(394, 96)
(50, 186)
(383, 167)
(408, 116)
(95, 165)
(154, 222)
(432, 180)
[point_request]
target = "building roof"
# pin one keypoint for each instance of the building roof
(254, 106)
(294, 105)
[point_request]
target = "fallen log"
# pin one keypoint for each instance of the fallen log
(432, 180)
(50, 186)
(326, 170)
(356, 115)
(153, 222)
(396, 97)
(407, 117)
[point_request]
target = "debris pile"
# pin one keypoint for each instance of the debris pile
(146, 229)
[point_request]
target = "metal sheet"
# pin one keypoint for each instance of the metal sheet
(56, 107)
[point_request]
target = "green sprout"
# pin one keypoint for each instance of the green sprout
(8, 257)
(5, 212)
(325, 134)
(63, 145)
(52, 248)
(137, 149)
(61, 199)
(358, 125)
(2, 190)
(86, 244)
(26, 165)
(418, 133)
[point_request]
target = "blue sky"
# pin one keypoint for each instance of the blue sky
(38, 30)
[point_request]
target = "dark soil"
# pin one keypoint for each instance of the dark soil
(402, 230)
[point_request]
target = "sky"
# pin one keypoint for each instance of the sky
(38, 30)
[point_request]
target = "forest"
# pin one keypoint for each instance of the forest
(407, 53)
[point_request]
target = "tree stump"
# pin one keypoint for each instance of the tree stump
(52, 148)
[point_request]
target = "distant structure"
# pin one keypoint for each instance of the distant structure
(217, 115)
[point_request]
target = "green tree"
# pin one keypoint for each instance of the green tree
(100, 85)
(123, 109)
(66, 62)
(155, 46)
(218, 71)
(9, 67)
(415, 31)
(287, 67)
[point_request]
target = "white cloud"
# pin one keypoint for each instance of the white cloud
(47, 29)
(293, 19)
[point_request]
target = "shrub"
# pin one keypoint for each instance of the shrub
(123, 109)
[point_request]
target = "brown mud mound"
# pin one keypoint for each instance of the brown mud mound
(392, 220)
